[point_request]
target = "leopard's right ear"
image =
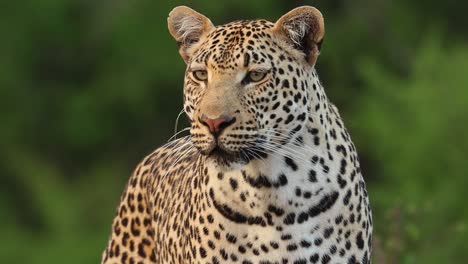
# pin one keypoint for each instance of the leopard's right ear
(188, 27)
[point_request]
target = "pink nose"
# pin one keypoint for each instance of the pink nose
(217, 125)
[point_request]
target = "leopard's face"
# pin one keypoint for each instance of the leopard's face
(246, 89)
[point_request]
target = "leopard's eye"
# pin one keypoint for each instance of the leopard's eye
(256, 76)
(200, 75)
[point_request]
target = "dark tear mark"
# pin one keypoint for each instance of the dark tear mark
(246, 59)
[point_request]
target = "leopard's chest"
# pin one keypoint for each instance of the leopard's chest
(256, 216)
(222, 241)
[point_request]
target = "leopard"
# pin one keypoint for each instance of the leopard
(268, 172)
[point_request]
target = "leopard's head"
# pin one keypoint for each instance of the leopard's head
(248, 84)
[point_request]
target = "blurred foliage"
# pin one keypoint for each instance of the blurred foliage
(415, 129)
(87, 88)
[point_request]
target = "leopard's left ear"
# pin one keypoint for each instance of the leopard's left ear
(188, 27)
(303, 27)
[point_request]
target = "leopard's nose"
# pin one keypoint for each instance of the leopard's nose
(217, 125)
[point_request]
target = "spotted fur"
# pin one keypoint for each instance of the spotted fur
(280, 184)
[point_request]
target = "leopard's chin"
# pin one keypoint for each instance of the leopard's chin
(223, 156)
(229, 159)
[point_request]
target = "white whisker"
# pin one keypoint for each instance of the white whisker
(175, 135)
(177, 120)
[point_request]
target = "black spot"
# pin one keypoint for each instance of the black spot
(314, 159)
(341, 181)
(343, 166)
(298, 192)
(359, 241)
(347, 197)
(312, 176)
(327, 232)
(258, 182)
(316, 141)
(233, 184)
(289, 219)
(223, 253)
(210, 218)
(325, 259)
(291, 247)
(305, 244)
(301, 117)
(242, 196)
(352, 260)
(314, 258)
(242, 249)
(302, 217)
(276, 105)
(326, 169)
(318, 241)
(365, 259)
(231, 238)
(277, 211)
(348, 245)
(233, 257)
(333, 249)
(338, 219)
(290, 163)
(274, 245)
(255, 252)
(324, 204)
(235, 216)
(202, 252)
(289, 119)
(282, 180)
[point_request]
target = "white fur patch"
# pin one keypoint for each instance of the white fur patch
(188, 28)
(297, 28)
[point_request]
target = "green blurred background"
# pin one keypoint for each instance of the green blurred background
(88, 88)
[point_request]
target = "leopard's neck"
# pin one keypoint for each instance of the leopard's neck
(301, 180)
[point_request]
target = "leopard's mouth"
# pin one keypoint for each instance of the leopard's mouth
(223, 156)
